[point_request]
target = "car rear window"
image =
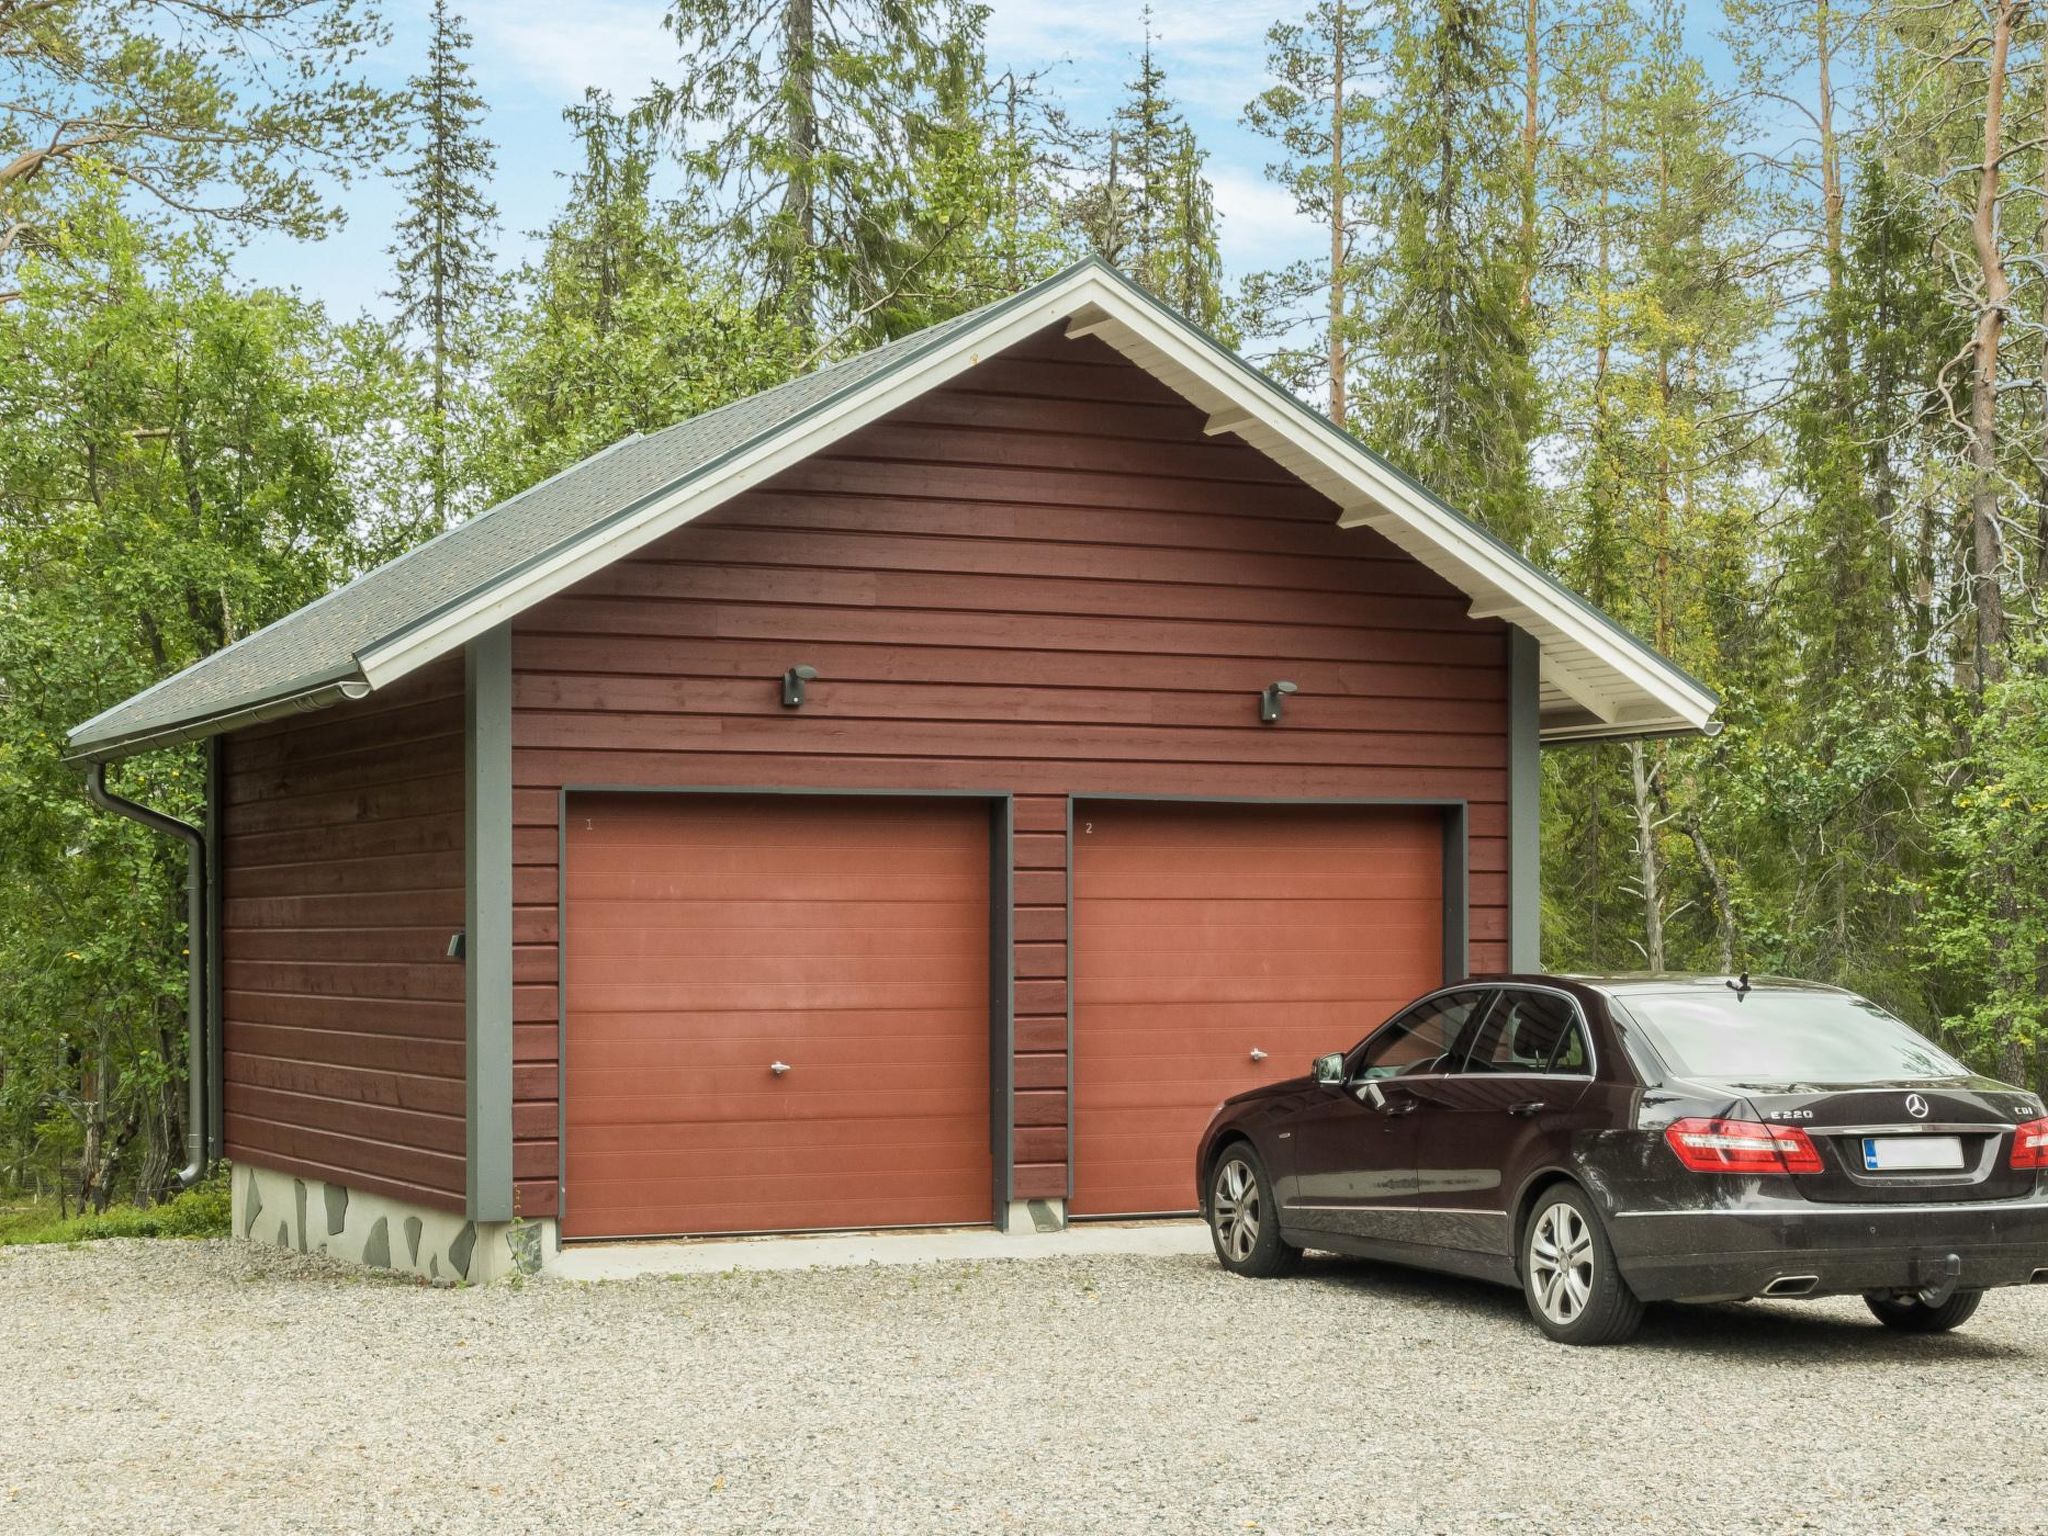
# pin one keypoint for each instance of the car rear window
(1765, 1036)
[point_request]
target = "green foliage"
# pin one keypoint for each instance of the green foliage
(224, 113)
(1988, 904)
(202, 1211)
(617, 329)
(171, 464)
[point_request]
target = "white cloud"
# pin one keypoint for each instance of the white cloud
(1260, 227)
(615, 45)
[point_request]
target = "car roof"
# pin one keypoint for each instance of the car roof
(1638, 983)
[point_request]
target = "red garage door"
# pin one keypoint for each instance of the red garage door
(711, 938)
(1206, 934)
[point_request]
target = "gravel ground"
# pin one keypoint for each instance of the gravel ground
(220, 1387)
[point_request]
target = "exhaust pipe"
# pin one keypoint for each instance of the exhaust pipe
(1792, 1285)
(2040, 1277)
(196, 1065)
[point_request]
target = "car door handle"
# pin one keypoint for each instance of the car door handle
(1527, 1107)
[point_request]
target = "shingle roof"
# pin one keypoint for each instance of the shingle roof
(1598, 679)
(318, 643)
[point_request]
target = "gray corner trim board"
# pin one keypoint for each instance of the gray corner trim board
(216, 968)
(1072, 981)
(487, 923)
(1457, 891)
(1525, 803)
(1002, 999)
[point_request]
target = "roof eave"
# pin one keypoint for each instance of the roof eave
(301, 696)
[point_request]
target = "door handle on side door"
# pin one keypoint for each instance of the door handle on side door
(1527, 1107)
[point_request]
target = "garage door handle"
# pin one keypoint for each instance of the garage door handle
(1257, 1054)
(778, 1067)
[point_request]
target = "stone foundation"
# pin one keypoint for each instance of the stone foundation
(312, 1216)
(1035, 1216)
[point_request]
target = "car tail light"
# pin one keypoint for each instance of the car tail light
(2030, 1145)
(1742, 1146)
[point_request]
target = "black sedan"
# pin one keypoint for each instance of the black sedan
(1606, 1142)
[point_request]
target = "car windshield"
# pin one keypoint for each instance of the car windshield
(1766, 1036)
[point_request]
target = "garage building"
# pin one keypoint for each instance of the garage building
(914, 795)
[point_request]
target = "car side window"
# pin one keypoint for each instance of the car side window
(1420, 1040)
(1531, 1032)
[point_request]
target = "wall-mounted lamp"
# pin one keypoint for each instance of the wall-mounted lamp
(1269, 701)
(793, 686)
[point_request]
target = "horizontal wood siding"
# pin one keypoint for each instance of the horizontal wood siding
(1041, 579)
(341, 881)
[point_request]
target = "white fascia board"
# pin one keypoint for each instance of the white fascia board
(406, 652)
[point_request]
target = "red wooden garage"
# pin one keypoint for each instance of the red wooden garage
(914, 795)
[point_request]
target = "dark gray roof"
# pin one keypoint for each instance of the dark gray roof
(318, 644)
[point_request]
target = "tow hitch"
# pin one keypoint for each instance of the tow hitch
(1951, 1275)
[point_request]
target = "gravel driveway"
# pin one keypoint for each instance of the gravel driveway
(215, 1386)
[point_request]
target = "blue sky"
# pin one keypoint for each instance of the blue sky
(533, 57)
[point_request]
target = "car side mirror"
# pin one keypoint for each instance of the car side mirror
(1329, 1070)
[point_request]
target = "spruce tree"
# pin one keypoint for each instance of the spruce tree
(1145, 204)
(1452, 388)
(443, 249)
(816, 122)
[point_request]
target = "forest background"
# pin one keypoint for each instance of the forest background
(1736, 319)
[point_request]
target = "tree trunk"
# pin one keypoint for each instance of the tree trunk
(1717, 882)
(1995, 298)
(1831, 198)
(1337, 190)
(1641, 777)
(1532, 84)
(799, 198)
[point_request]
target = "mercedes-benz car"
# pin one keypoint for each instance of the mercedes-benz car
(1603, 1142)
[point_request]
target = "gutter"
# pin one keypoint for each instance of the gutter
(197, 1067)
(321, 695)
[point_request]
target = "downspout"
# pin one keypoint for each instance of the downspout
(196, 1063)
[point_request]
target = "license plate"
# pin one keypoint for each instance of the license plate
(1888, 1154)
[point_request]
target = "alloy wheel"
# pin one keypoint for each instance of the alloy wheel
(1236, 1209)
(1561, 1263)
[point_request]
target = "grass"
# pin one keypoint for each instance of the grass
(200, 1212)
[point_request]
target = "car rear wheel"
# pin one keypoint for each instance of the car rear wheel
(1576, 1293)
(1912, 1315)
(1243, 1219)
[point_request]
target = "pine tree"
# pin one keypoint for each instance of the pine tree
(443, 250)
(1320, 114)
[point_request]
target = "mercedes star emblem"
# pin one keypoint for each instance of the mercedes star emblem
(1916, 1106)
